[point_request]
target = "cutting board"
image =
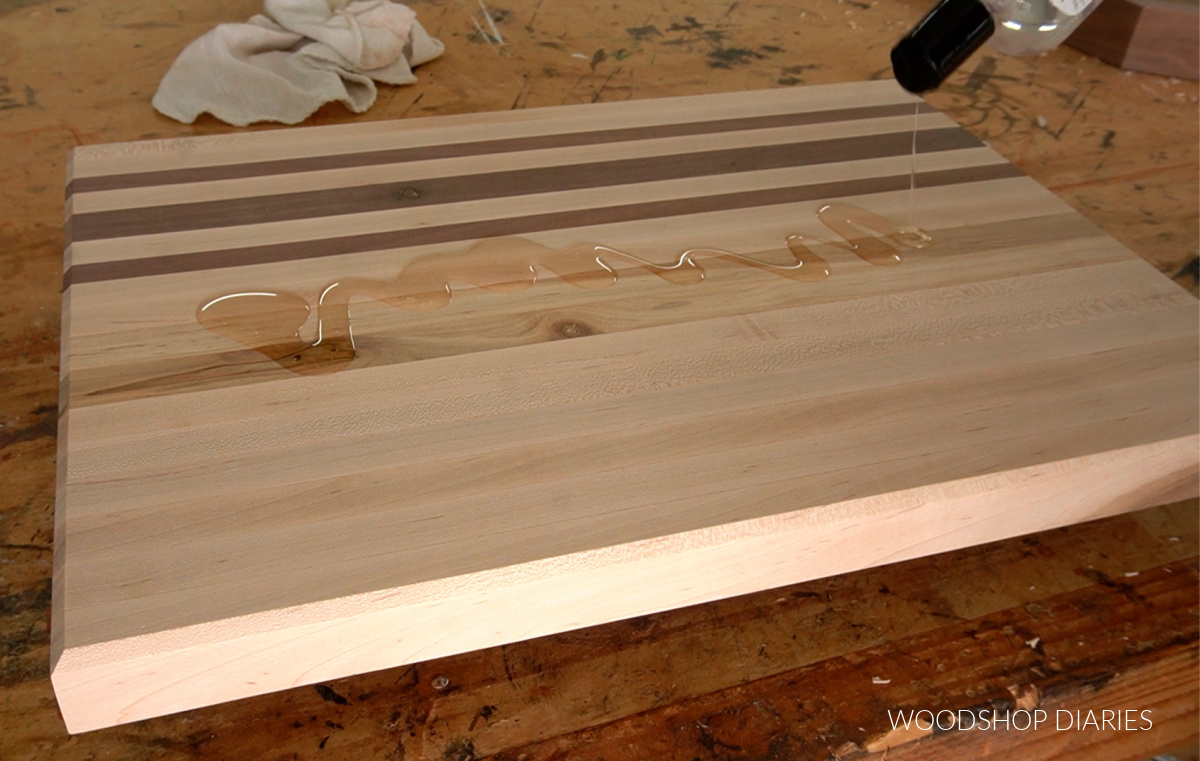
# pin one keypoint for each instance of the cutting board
(338, 399)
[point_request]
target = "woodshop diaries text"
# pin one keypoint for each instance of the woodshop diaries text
(1129, 720)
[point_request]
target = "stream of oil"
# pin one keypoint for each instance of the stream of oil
(270, 321)
(912, 167)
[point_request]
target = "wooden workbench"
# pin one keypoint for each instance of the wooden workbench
(1098, 616)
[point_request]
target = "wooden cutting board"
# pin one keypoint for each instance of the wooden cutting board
(339, 399)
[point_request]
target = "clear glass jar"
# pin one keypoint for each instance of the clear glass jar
(954, 29)
(1025, 27)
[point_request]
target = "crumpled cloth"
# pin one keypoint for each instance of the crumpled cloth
(302, 54)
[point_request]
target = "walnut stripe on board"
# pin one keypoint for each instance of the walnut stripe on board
(283, 252)
(607, 311)
(432, 168)
(378, 197)
(388, 220)
(482, 148)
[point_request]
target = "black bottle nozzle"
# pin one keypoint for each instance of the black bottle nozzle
(940, 42)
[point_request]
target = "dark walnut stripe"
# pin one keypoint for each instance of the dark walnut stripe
(394, 239)
(330, 202)
(480, 148)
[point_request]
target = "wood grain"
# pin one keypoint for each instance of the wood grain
(226, 527)
(1157, 36)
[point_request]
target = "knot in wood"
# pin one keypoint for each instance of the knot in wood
(571, 329)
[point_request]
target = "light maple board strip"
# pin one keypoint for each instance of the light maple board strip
(581, 428)
(373, 143)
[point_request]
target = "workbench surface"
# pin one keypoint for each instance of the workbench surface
(1099, 616)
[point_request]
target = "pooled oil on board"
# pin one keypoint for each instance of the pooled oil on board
(271, 321)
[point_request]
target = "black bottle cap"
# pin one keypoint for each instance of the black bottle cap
(940, 42)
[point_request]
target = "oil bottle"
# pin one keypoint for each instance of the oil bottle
(954, 29)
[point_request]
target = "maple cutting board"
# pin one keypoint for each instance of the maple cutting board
(339, 399)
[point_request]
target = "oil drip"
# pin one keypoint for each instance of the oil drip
(270, 321)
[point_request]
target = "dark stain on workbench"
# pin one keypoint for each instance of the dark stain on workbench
(45, 425)
(643, 32)
(720, 55)
(36, 600)
(689, 24)
(982, 73)
(1036, 548)
(24, 635)
(459, 750)
(1103, 579)
(329, 696)
(499, 15)
(1070, 684)
(727, 58)
(483, 714)
(1189, 275)
(755, 730)
(792, 75)
(8, 6)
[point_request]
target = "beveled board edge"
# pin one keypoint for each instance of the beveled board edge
(171, 671)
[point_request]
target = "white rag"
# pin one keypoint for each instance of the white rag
(303, 54)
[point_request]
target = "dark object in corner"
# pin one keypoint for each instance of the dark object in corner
(1152, 36)
(940, 42)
